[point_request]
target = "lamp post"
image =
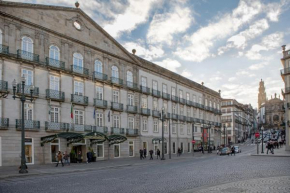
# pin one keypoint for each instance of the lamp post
(262, 128)
(169, 140)
(209, 129)
(22, 98)
(225, 135)
(192, 138)
(162, 119)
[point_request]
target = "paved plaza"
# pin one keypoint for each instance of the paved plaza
(198, 173)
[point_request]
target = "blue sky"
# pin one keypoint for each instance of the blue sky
(227, 44)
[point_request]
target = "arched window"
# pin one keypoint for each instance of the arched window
(27, 44)
(54, 52)
(98, 66)
(0, 36)
(129, 76)
(78, 60)
(115, 72)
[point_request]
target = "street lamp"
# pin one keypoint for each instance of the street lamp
(162, 119)
(193, 139)
(22, 97)
(225, 135)
(262, 128)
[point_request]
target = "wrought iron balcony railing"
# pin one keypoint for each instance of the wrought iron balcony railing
(117, 106)
(165, 96)
(188, 102)
(131, 109)
(4, 49)
(145, 89)
(100, 129)
(117, 81)
(80, 100)
(81, 128)
(181, 118)
(156, 93)
(52, 126)
(226, 120)
(117, 130)
(3, 86)
(55, 95)
(100, 103)
(206, 108)
(182, 101)
(189, 119)
(167, 116)
(28, 124)
(201, 106)
(285, 71)
(27, 90)
(132, 86)
(57, 64)
(174, 98)
(27, 56)
(100, 76)
(80, 70)
(194, 104)
(156, 113)
(174, 116)
(145, 111)
(4, 123)
(132, 132)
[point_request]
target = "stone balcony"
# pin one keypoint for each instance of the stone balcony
(102, 104)
(52, 126)
(28, 125)
(79, 100)
(55, 95)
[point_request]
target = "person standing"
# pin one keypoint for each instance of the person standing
(144, 152)
(66, 158)
(80, 157)
(158, 153)
(202, 149)
(59, 158)
(151, 154)
(233, 151)
(141, 154)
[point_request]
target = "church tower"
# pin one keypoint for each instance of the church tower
(262, 94)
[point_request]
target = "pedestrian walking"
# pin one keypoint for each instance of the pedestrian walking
(218, 150)
(202, 149)
(59, 158)
(80, 157)
(141, 154)
(158, 153)
(233, 151)
(178, 152)
(66, 158)
(144, 152)
(151, 154)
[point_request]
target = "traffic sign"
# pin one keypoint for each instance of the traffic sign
(193, 141)
(257, 135)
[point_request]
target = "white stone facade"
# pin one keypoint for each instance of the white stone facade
(59, 50)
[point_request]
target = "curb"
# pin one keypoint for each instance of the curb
(268, 155)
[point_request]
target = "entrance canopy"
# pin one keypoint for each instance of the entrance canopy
(70, 137)
(115, 139)
(158, 140)
(96, 137)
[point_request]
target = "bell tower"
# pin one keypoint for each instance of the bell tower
(262, 94)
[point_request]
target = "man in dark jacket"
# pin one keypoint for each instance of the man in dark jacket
(151, 154)
(158, 153)
(144, 152)
(141, 154)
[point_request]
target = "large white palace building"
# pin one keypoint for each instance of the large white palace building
(90, 92)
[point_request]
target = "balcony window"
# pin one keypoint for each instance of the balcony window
(27, 48)
(164, 88)
(98, 66)
(180, 94)
(144, 125)
(130, 99)
(115, 72)
(54, 52)
(131, 123)
(28, 111)
(78, 88)
(115, 96)
(99, 92)
(99, 119)
(0, 36)
(78, 63)
(54, 114)
(144, 102)
(155, 126)
(28, 74)
(129, 76)
(116, 121)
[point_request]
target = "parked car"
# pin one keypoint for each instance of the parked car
(225, 151)
(237, 149)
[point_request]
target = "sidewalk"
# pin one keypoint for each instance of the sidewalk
(277, 152)
(50, 169)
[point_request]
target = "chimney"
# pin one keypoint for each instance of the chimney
(134, 51)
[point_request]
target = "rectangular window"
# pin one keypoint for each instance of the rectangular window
(195, 129)
(199, 100)
(99, 119)
(115, 96)
(194, 98)
(173, 108)
(187, 96)
(155, 126)
(180, 94)
(181, 111)
(144, 81)
(165, 106)
(131, 122)
(205, 102)
(144, 102)
(181, 129)
(79, 88)
(54, 83)
(173, 91)
(29, 151)
(155, 85)
(28, 74)
(188, 112)
(79, 117)
(164, 88)
(54, 114)
(100, 93)
(144, 125)
(116, 121)
(155, 104)
(130, 99)
(28, 111)
(188, 129)
(174, 127)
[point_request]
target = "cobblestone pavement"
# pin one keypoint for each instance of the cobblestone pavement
(220, 173)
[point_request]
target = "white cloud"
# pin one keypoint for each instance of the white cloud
(245, 73)
(136, 13)
(202, 40)
(165, 25)
(240, 40)
(186, 73)
(152, 52)
(215, 78)
(269, 42)
(274, 10)
(231, 79)
(257, 66)
(169, 64)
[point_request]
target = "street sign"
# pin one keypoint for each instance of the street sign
(257, 135)
(193, 141)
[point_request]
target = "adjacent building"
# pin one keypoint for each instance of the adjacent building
(285, 74)
(90, 94)
(237, 120)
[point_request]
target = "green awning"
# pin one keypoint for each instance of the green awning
(157, 140)
(115, 139)
(70, 137)
(96, 137)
